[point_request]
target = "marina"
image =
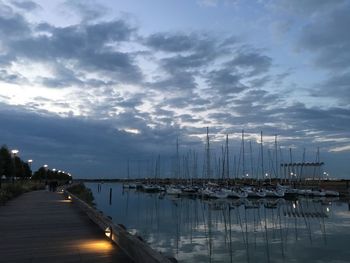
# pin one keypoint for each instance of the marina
(197, 229)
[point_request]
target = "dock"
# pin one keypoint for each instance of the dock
(43, 226)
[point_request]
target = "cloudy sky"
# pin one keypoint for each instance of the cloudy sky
(86, 85)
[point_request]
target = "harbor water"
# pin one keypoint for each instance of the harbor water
(232, 230)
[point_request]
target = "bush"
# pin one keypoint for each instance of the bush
(10, 191)
(83, 193)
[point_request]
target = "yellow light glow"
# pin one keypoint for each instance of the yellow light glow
(108, 232)
(69, 197)
(64, 201)
(96, 246)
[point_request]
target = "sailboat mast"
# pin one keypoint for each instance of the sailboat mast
(251, 159)
(223, 154)
(302, 165)
(227, 159)
(208, 154)
(243, 153)
(276, 157)
(177, 160)
(291, 170)
(262, 154)
(128, 170)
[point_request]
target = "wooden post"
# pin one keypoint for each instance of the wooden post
(110, 196)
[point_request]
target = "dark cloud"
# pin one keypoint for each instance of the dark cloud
(5, 60)
(82, 46)
(328, 37)
(13, 26)
(87, 9)
(225, 81)
(179, 81)
(260, 82)
(332, 120)
(101, 148)
(73, 41)
(10, 77)
(191, 51)
(26, 5)
(252, 62)
(169, 42)
(337, 86)
(189, 118)
(64, 77)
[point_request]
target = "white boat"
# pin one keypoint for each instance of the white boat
(275, 193)
(189, 190)
(318, 193)
(304, 192)
(218, 195)
(331, 193)
(235, 193)
(206, 192)
(282, 187)
(150, 188)
(255, 193)
(173, 191)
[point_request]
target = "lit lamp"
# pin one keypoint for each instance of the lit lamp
(108, 232)
(14, 154)
(30, 161)
(45, 169)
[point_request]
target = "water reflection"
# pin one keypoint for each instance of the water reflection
(263, 230)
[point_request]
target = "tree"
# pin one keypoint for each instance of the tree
(6, 164)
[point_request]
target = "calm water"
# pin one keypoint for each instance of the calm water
(194, 230)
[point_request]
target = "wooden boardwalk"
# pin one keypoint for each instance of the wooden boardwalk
(42, 227)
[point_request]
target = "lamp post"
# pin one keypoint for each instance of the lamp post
(30, 161)
(14, 155)
(45, 169)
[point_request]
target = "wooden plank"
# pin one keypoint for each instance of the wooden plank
(41, 227)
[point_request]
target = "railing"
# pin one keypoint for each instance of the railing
(132, 245)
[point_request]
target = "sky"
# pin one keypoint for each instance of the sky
(87, 85)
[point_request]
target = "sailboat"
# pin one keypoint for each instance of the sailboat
(129, 184)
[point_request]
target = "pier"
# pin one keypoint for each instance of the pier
(43, 226)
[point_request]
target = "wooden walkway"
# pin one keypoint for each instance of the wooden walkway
(42, 227)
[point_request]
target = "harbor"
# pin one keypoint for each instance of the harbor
(195, 229)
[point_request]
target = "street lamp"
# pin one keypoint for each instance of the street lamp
(45, 169)
(30, 161)
(14, 155)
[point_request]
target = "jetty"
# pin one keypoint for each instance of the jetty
(43, 226)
